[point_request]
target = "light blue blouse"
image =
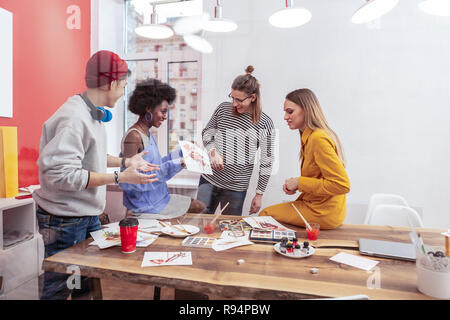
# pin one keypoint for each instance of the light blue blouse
(153, 197)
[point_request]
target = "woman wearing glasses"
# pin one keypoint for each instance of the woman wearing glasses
(232, 137)
(323, 182)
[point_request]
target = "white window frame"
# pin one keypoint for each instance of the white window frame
(184, 179)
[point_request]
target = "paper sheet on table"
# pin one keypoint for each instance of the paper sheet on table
(225, 244)
(155, 259)
(195, 158)
(106, 238)
(265, 223)
(110, 237)
(354, 261)
(227, 234)
(142, 241)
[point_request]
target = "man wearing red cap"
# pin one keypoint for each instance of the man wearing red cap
(72, 166)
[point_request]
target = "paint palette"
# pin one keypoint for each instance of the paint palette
(296, 253)
(198, 242)
(270, 236)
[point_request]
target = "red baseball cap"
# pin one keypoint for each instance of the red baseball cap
(103, 68)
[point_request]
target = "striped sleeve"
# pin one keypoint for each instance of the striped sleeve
(267, 145)
(210, 131)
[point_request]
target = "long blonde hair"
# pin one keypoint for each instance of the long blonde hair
(250, 85)
(314, 116)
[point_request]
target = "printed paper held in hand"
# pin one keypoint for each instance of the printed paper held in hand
(195, 158)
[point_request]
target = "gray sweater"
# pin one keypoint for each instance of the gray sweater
(72, 144)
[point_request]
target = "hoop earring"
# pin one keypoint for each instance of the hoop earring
(151, 117)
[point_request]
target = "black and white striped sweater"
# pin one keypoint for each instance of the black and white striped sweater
(237, 139)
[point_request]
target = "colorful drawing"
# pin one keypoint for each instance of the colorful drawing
(237, 226)
(154, 259)
(195, 158)
(111, 236)
(265, 223)
(106, 238)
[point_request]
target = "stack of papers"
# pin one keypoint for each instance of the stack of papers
(110, 236)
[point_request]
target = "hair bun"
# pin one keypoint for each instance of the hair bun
(249, 70)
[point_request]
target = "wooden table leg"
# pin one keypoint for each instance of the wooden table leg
(96, 289)
(157, 293)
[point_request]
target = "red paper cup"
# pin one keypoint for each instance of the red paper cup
(128, 234)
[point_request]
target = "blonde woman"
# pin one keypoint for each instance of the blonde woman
(323, 182)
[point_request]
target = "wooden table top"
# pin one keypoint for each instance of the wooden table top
(264, 274)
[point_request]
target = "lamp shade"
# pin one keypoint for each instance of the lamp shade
(220, 25)
(198, 43)
(372, 10)
(436, 7)
(190, 24)
(154, 31)
(290, 17)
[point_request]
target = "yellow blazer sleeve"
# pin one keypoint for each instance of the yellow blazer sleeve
(334, 179)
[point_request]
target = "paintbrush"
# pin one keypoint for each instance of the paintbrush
(304, 220)
(173, 227)
(181, 226)
(214, 220)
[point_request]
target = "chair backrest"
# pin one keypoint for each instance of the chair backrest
(395, 215)
(383, 198)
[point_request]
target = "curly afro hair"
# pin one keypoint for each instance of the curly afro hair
(150, 93)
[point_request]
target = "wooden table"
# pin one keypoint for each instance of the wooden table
(264, 274)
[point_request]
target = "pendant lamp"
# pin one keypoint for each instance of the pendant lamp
(290, 17)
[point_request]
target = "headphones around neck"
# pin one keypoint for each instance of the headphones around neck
(97, 113)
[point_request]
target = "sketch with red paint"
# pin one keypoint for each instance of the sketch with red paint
(195, 158)
(153, 259)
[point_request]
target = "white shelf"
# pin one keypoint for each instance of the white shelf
(21, 261)
(17, 215)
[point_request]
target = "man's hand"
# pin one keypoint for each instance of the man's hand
(256, 204)
(139, 163)
(216, 160)
(131, 175)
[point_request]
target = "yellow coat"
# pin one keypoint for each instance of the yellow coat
(323, 185)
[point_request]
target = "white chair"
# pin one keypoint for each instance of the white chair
(383, 198)
(395, 215)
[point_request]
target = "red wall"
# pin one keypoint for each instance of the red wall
(49, 63)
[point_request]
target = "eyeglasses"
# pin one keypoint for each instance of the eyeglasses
(236, 99)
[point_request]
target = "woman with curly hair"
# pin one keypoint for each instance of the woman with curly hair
(150, 101)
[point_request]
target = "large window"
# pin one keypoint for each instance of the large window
(170, 61)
